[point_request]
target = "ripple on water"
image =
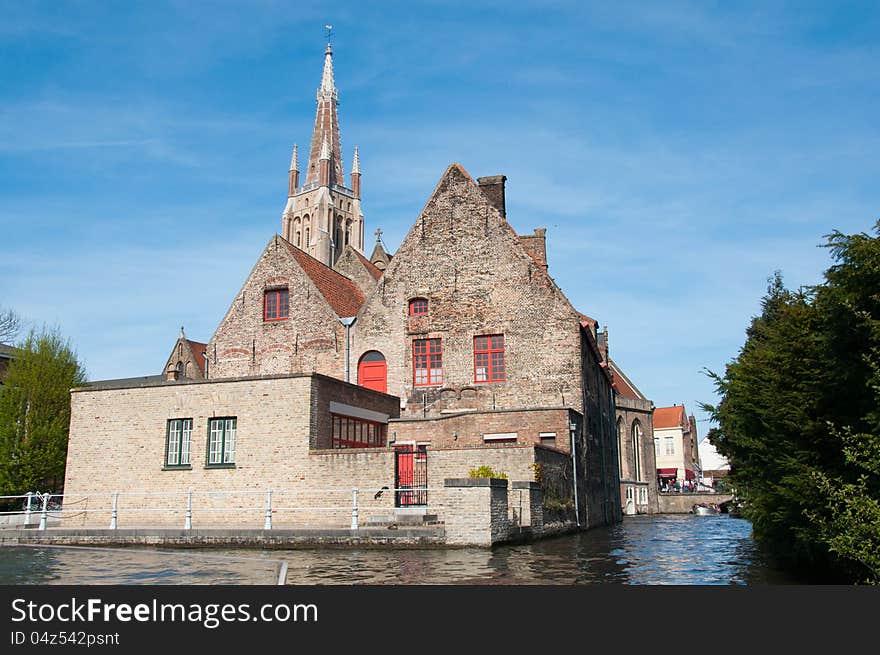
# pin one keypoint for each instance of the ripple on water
(646, 550)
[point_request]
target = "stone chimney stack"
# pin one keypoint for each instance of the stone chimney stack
(173, 373)
(536, 245)
(493, 188)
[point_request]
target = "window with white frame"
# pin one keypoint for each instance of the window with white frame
(670, 445)
(178, 442)
(221, 441)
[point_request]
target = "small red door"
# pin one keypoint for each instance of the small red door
(373, 371)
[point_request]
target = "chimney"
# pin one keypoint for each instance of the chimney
(173, 373)
(536, 245)
(493, 189)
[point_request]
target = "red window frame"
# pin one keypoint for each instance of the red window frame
(418, 307)
(427, 362)
(276, 305)
(351, 432)
(489, 362)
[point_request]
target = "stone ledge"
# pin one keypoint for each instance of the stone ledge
(524, 484)
(475, 482)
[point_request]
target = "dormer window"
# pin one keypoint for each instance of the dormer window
(418, 307)
(275, 305)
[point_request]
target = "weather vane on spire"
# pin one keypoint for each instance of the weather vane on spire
(329, 29)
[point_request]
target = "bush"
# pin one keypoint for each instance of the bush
(486, 472)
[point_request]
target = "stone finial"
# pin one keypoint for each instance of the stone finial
(356, 166)
(294, 164)
(182, 335)
(327, 89)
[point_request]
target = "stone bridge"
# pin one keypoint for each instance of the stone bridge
(681, 503)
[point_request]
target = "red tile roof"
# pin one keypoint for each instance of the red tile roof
(198, 348)
(669, 417)
(374, 270)
(341, 293)
(624, 389)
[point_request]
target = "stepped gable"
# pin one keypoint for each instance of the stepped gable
(342, 294)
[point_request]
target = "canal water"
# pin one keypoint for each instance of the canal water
(643, 550)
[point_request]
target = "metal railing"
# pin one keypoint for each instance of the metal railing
(64, 506)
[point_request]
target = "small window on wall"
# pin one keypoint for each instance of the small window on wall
(548, 438)
(221, 442)
(418, 307)
(276, 305)
(178, 442)
(489, 358)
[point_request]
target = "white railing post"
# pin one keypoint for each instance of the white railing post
(268, 525)
(115, 513)
(188, 521)
(354, 509)
(45, 510)
(27, 510)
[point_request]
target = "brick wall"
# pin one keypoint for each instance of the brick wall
(467, 261)
(628, 411)
(118, 439)
(311, 339)
(467, 429)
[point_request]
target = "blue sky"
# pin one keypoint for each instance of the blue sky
(678, 154)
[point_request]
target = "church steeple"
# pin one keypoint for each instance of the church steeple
(326, 126)
(323, 216)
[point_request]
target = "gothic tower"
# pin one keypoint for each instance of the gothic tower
(323, 215)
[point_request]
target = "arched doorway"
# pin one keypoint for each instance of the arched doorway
(373, 371)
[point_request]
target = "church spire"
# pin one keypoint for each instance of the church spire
(322, 214)
(326, 126)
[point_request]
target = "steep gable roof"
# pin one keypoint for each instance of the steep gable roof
(670, 417)
(623, 385)
(374, 270)
(198, 348)
(341, 294)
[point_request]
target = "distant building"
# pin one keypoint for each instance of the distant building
(715, 466)
(7, 354)
(187, 360)
(675, 445)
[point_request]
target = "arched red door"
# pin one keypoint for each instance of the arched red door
(373, 371)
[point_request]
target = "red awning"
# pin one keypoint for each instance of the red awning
(689, 475)
(667, 473)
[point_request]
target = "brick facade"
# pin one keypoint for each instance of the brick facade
(311, 339)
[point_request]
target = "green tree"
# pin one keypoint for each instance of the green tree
(798, 417)
(35, 413)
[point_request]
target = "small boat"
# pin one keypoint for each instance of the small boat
(706, 509)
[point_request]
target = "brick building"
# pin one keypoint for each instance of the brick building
(486, 359)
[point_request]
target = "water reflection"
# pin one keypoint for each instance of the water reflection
(656, 550)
